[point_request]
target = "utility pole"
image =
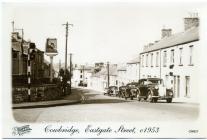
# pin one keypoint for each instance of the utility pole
(71, 67)
(66, 52)
(66, 44)
(108, 74)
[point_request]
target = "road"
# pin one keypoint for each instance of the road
(100, 108)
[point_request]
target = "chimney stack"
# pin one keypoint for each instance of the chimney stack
(190, 22)
(145, 47)
(166, 32)
(150, 44)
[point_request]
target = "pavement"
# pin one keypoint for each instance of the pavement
(74, 98)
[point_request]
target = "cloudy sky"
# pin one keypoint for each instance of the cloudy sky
(114, 32)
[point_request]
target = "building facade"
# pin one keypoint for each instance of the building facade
(19, 49)
(132, 70)
(174, 59)
(82, 75)
(122, 76)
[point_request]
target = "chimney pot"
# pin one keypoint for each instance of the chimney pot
(190, 22)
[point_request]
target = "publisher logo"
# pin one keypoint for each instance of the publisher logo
(20, 131)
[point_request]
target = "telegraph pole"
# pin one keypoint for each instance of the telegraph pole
(66, 43)
(59, 64)
(108, 74)
(66, 52)
(71, 69)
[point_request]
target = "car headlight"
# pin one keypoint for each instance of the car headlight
(156, 87)
(170, 93)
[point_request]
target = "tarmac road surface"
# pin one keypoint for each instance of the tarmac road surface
(101, 108)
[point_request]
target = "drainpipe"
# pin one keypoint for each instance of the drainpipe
(160, 63)
(139, 65)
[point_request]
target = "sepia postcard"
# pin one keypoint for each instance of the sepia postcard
(103, 70)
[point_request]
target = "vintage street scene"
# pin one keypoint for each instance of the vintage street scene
(104, 63)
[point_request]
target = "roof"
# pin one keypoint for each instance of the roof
(112, 71)
(134, 61)
(17, 44)
(176, 39)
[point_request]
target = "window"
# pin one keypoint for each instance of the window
(151, 59)
(157, 59)
(191, 55)
(81, 76)
(146, 60)
(81, 71)
(187, 86)
(172, 57)
(142, 60)
(181, 53)
(165, 59)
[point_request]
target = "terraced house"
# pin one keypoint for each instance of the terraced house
(174, 59)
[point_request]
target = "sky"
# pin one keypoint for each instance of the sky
(114, 32)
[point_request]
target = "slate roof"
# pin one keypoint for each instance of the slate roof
(176, 39)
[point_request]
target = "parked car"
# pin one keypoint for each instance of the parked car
(131, 90)
(111, 91)
(153, 89)
(82, 84)
(122, 91)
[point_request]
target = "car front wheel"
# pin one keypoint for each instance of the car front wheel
(169, 100)
(155, 100)
(149, 97)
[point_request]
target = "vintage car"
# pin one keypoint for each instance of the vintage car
(153, 89)
(122, 91)
(82, 84)
(131, 90)
(111, 91)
